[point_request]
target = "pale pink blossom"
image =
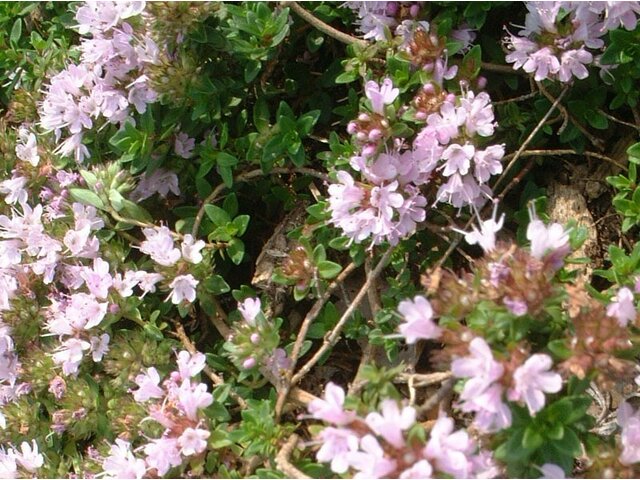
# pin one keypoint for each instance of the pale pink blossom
(148, 384)
(551, 240)
(551, 470)
(532, 380)
(480, 367)
(162, 454)
(392, 422)
(330, 408)
(250, 308)
(99, 346)
(418, 316)
(121, 463)
(184, 145)
(623, 307)
(337, 443)
(28, 456)
(380, 95)
(193, 441)
(192, 398)
(191, 249)
(420, 469)
(189, 365)
(370, 461)
(183, 287)
(449, 451)
(629, 421)
(159, 246)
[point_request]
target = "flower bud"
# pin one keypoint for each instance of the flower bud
(249, 363)
(255, 338)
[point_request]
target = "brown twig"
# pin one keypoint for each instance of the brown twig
(435, 399)
(323, 27)
(283, 456)
(533, 133)
(312, 314)
(494, 67)
(617, 120)
(596, 142)
(333, 336)
(521, 98)
(215, 379)
(243, 177)
(220, 320)
(422, 379)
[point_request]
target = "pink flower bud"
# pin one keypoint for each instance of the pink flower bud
(482, 82)
(368, 150)
(375, 135)
(421, 116)
(114, 308)
(429, 89)
(249, 363)
(363, 117)
(255, 338)
(451, 98)
(352, 128)
(414, 10)
(361, 136)
(392, 9)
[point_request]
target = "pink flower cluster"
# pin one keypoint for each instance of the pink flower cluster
(483, 391)
(176, 404)
(375, 19)
(557, 35)
(107, 82)
(388, 204)
(377, 446)
(25, 461)
(629, 421)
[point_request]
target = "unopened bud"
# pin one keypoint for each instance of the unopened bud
(249, 363)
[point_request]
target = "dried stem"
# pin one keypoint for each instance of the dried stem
(215, 379)
(494, 67)
(332, 338)
(533, 133)
(422, 379)
(435, 399)
(323, 27)
(617, 120)
(283, 456)
(243, 177)
(302, 334)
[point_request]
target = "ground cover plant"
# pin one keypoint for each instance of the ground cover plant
(319, 239)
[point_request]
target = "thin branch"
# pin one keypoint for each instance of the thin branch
(283, 456)
(533, 133)
(494, 67)
(596, 142)
(422, 379)
(220, 320)
(244, 177)
(323, 27)
(312, 314)
(617, 120)
(521, 98)
(332, 338)
(215, 379)
(435, 399)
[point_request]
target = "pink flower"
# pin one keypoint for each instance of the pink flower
(99, 346)
(418, 316)
(623, 307)
(162, 454)
(250, 309)
(337, 443)
(543, 63)
(449, 451)
(27, 147)
(371, 461)
(522, 48)
(148, 386)
(487, 162)
(447, 122)
(191, 398)
(70, 354)
(159, 246)
(184, 145)
(331, 408)
(551, 470)
(28, 456)
(515, 306)
(478, 114)
(193, 441)
(479, 366)
(486, 236)
(98, 279)
(183, 288)
(458, 159)
(420, 469)
(532, 380)
(191, 249)
(550, 240)
(380, 95)
(392, 422)
(121, 463)
(161, 181)
(190, 365)
(492, 414)
(629, 422)
(573, 63)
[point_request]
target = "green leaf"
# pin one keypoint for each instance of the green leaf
(230, 204)
(16, 32)
(241, 222)
(532, 438)
(136, 212)
(251, 70)
(261, 115)
(235, 250)
(115, 198)
(87, 197)
(560, 349)
(216, 285)
(217, 215)
(328, 269)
